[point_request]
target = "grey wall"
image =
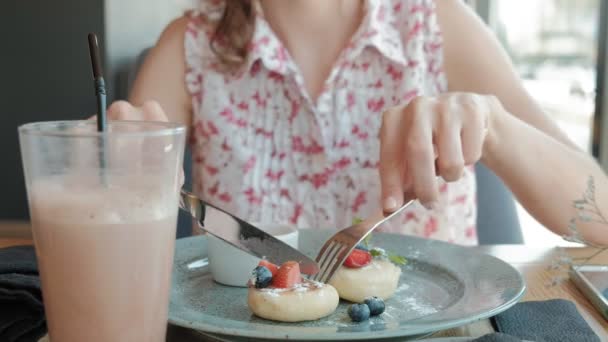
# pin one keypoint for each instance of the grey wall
(44, 75)
(45, 71)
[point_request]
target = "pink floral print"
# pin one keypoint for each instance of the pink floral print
(264, 150)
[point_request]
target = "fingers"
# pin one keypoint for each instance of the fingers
(474, 129)
(419, 151)
(472, 143)
(153, 111)
(450, 161)
(430, 137)
(123, 111)
(391, 160)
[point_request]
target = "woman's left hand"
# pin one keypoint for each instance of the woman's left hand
(429, 137)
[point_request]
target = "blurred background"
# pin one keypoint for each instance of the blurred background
(557, 46)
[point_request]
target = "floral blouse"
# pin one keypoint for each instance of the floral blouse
(265, 151)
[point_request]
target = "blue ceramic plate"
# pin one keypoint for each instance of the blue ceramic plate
(441, 287)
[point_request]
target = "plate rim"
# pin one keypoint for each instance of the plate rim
(362, 335)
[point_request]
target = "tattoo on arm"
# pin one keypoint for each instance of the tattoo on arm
(587, 211)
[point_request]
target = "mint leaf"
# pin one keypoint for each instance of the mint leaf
(377, 252)
(357, 220)
(397, 259)
(367, 240)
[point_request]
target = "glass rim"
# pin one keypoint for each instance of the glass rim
(52, 128)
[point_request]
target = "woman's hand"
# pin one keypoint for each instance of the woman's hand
(149, 111)
(124, 111)
(432, 136)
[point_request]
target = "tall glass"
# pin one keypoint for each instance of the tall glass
(104, 211)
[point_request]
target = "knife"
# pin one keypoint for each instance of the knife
(243, 235)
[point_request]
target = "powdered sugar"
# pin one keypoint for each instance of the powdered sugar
(307, 285)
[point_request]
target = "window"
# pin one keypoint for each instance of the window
(553, 44)
(554, 47)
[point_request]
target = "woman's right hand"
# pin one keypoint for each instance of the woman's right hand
(149, 111)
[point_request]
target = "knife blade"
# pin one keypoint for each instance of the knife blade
(242, 234)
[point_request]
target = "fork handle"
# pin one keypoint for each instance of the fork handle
(389, 215)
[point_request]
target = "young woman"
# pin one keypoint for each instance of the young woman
(314, 112)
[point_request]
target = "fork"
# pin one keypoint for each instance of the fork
(338, 247)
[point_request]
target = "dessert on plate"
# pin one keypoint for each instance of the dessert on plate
(281, 294)
(368, 272)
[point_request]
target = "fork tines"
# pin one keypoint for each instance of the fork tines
(329, 259)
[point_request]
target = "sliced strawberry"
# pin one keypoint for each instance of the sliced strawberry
(287, 276)
(358, 258)
(270, 266)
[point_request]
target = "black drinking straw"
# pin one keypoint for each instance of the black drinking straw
(100, 93)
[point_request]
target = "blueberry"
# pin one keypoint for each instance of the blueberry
(261, 277)
(361, 247)
(375, 304)
(358, 312)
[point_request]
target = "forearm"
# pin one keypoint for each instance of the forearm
(548, 177)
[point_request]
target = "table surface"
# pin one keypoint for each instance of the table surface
(534, 264)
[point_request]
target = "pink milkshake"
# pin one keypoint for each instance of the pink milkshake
(104, 208)
(105, 256)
